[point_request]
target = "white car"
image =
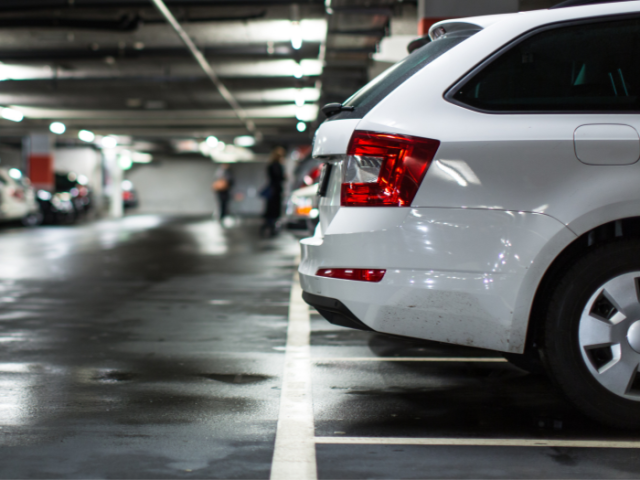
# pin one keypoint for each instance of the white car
(302, 211)
(17, 198)
(485, 191)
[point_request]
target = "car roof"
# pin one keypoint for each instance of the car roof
(535, 18)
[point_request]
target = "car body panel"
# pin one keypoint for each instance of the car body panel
(17, 201)
(453, 275)
(332, 138)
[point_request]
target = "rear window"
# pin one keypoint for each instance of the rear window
(372, 93)
(587, 67)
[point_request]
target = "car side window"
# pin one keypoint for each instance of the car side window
(586, 67)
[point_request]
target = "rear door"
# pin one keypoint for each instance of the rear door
(551, 126)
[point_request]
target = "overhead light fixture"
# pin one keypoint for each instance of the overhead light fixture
(245, 141)
(125, 162)
(86, 136)
(297, 70)
(212, 141)
(11, 114)
(58, 128)
(140, 157)
(299, 98)
(296, 36)
(301, 127)
(109, 142)
(15, 173)
(327, 7)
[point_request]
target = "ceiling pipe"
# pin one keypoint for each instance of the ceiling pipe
(206, 67)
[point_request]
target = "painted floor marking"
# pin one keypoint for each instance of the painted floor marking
(409, 359)
(294, 457)
(477, 442)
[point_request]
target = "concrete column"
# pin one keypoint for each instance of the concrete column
(113, 187)
(39, 157)
(433, 11)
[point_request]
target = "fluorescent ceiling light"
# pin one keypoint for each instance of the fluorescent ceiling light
(140, 157)
(258, 31)
(269, 68)
(211, 141)
(86, 136)
(109, 142)
(125, 116)
(11, 114)
(24, 72)
(327, 7)
(58, 128)
(296, 36)
(309, 94)
(245, 141)
(125, 162)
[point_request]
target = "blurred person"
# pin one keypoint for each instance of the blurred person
(273, 192)
(222, 184)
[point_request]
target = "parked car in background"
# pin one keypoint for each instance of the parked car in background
(56, 207)
(484, 192)
(302, 214)
(77, 188)
(301, 211)
(17, 199)
(129, 195)
(70, 200)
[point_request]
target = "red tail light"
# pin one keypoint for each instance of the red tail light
(384, 169)
(359, 274)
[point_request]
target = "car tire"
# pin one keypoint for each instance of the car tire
(529, 362)
(33, 219)
(592, 334)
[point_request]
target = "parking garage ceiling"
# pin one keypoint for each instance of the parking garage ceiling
(118, 68)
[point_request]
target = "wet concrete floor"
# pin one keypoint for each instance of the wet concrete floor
(152, 347)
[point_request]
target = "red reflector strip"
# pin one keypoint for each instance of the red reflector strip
(358, 274)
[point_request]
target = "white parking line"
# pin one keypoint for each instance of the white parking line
(294, 456)
(477, 442)
(410, 359)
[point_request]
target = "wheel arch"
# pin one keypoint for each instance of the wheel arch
(611, 231)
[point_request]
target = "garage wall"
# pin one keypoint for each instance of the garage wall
(183, 186)
(11, 157)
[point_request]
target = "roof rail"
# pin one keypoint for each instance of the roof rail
(579, 3)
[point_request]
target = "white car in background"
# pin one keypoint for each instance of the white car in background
(17, 198)
(485, 191)
(301, 216)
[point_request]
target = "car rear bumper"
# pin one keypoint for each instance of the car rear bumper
(453, 275)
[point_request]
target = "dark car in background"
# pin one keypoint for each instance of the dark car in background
(70, 200)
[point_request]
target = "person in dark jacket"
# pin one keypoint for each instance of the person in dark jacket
(222, 184)
(273, 192)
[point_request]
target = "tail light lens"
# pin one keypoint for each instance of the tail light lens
(385, 170)
(359, 274)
